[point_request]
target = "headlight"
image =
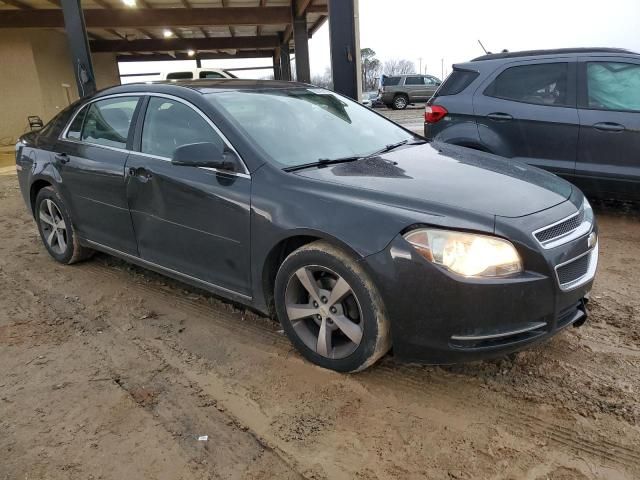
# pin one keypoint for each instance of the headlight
(467, 254)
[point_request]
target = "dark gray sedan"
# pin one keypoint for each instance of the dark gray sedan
(300, 203)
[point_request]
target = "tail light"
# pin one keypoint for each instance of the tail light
(434, 113)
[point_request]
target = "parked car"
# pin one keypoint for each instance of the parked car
(372, 100)
(297, 201)
(196, 73)
(399, 91)
(574, 112)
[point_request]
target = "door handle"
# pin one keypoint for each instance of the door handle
(142, 173)
(609, 127)
(62, 157)
(500, 117)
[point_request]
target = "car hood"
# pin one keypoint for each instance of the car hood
(451, 175)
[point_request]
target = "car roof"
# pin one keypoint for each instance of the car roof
(203, 86)
(557, 51)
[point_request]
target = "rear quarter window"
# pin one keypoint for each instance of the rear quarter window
(456, 82)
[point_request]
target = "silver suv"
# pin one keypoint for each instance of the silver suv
(402, 90)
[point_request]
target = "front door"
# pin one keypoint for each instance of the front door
(528, 112)
(194, 221)
(91, 156)
(609, 149)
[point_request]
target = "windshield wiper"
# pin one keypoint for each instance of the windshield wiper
(332, 161)
(322, 162)
(393, 146)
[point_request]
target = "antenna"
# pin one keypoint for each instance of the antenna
(481, 45)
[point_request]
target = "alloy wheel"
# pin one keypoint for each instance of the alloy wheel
(324, 311)
(53, 226)
(400, 102)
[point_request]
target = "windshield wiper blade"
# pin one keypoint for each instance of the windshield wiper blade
(392, 146)
(322, 162)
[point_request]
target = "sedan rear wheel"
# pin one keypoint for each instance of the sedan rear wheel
(56, 229)
(330, 309)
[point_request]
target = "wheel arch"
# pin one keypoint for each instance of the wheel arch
(35, 188)
(283, 248)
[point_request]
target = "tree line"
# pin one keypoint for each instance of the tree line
(372, 70)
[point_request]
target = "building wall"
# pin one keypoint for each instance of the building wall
(36, 77)
(19, 86)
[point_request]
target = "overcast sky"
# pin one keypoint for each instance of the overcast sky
(449, 30)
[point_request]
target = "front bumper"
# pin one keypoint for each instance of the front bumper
(439, 317)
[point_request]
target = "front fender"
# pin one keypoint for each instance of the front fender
(285, 206)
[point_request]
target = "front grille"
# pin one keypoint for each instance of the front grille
(575, 270)
(560, 229)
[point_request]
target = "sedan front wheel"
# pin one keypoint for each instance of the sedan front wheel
(330, 309)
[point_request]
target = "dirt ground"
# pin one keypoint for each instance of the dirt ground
(108, 371)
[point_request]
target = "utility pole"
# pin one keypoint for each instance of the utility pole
(442, 69)
(420, 58)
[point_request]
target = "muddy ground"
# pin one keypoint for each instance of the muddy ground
(108, 371)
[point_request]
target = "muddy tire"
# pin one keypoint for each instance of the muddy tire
(56, 228)
(330, 309)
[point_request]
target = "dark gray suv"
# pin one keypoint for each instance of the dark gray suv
(574, 112)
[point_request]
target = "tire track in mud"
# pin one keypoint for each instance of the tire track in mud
(220, 317)
(522, 421)
(392, 375)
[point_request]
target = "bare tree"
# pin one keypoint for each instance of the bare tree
(371, 68)
(324, 80)
(398, 66)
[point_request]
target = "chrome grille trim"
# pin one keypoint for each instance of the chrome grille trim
(565, 237)
(582, 279)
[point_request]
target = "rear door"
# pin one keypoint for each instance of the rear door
(527, 111)
(608, 160)
(191, 220)
(90, 156)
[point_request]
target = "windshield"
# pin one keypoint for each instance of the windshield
(304, 125)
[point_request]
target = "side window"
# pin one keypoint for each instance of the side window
(75, 128)
(390, 81)
(456, 82)
(542, 84)
(169, 124)
(180, 76)
(211, 75)
(108, 121)
(613, 86)
(414, 81)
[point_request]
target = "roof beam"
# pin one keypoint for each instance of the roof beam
(203, 56)
(302, 6)
(314, 28)
(156, 17)
(317, 9)
(176, 44)
(18, 4)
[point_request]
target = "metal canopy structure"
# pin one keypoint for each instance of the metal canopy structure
(186, 29)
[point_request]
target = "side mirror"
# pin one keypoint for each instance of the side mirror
(205, 154)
